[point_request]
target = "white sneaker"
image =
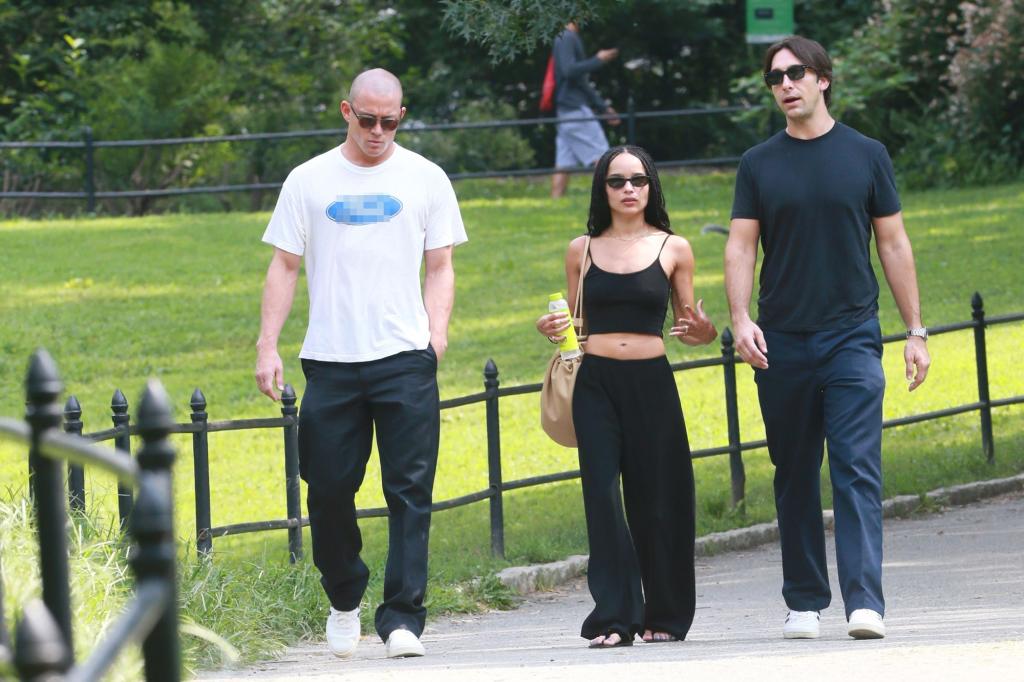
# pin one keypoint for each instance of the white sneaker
(343, 632)
(866, 624)
(802, 625)
(403, 643)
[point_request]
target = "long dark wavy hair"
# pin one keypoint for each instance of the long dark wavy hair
(601, 213)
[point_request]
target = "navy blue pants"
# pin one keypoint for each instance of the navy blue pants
(827, 386)
(629, 423)
(341, 405)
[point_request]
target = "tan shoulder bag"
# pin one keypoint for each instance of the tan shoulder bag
(560, 378)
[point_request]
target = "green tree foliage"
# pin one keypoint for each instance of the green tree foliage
(939, 81)
(511, 29)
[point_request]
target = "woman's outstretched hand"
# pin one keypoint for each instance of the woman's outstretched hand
(694, 328)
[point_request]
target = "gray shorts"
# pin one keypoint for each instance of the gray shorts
(578, 143)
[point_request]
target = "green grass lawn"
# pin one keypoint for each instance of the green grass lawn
(117, 300)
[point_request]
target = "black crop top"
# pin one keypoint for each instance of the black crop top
(633, 302)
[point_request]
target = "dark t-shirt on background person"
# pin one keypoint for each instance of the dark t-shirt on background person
(815, 200)
(572, 87)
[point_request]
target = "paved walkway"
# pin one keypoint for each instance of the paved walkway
(955, 591)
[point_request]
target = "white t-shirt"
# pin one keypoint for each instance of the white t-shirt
(362, 232)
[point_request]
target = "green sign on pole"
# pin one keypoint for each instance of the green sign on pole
(769, 21)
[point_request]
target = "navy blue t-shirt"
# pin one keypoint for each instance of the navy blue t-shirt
(815, 200)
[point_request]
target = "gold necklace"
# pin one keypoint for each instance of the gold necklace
(630, 239)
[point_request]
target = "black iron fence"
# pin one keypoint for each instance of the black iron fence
(200, 426)
(43, 648)
(88, 147)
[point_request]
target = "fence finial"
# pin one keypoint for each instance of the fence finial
(727, 339)
(39, 648)
(118, 403)
(72, 410)
(198, 401)
(42, 382)
(154, 416)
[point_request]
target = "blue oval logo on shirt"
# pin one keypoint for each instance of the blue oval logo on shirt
(364, 209)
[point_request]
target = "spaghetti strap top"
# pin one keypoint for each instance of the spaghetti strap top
(632, 302)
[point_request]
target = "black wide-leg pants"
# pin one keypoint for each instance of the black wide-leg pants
(341, 405)
(629, 423)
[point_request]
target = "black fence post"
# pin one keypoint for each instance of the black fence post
(152, 527)
(76, 473)
(630, 120)
(494, 460)
(43, 386)
(201, 470)
(291, 473)
(40, 652)
(981, 358)
(736, 471)
(90, 171)
(122, 441)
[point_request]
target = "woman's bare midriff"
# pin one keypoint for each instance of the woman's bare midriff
(623, 346)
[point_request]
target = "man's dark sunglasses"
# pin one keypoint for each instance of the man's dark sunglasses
(618, 182)
(368, 122)
(795, 73)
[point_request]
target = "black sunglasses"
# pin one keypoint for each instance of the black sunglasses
(795, 73)
(618, 182)
(368, 122)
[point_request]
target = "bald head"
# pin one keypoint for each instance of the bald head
(375, 82)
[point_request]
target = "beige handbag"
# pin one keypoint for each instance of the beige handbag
(560, 379)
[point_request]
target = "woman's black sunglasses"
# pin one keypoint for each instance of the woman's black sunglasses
(795, 73)
(368, 122)
(618, 182)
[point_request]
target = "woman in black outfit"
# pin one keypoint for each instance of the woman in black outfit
(626, 407)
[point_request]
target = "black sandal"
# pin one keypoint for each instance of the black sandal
(623, 641)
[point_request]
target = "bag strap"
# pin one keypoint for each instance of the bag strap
(577, 311)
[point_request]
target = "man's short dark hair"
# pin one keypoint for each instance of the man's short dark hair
(810, 53)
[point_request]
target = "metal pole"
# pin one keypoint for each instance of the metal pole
(736, 471)
(152, 527)
(291, 473)
(90, 170)
(76, 473)
(43, 386)
(981, 357)
(122, 441)
(201, 469)
(494, 460)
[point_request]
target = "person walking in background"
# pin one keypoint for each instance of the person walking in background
(813, 194)
(626, 408)
(577, 143)
(365, 216)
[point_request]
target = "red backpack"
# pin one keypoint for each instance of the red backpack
(547, 89)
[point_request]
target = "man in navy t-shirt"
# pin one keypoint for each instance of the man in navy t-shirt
(813, 194)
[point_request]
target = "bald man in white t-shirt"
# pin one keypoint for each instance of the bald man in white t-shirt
(365, 216)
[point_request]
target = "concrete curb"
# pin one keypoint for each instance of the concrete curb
(526, 579)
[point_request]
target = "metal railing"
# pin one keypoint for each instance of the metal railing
(200, 427)
(88, 145)
(43, 649)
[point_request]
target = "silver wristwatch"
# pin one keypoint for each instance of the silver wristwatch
(918, 331)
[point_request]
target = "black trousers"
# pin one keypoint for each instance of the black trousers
(341, 405)
(629, 423)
